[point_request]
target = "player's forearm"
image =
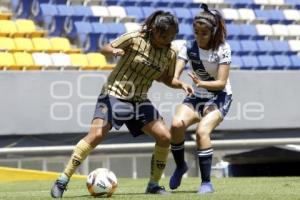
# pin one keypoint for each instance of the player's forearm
(107, 50)
(173, 82)
(212, 85)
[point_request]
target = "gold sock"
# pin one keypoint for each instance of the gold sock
(81, 151)
(158, 163)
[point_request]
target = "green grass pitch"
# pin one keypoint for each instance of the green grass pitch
(265, 188)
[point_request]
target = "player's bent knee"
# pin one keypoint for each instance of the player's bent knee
(178, 124)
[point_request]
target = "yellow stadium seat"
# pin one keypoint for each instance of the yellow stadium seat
(25, 60)
(98, 60)
(24, 44)
(7, 61)
(42, 44)
(63, 45)
(7, 44)
(9, 28)
(28, 28)
(80, 60)
(5, 15)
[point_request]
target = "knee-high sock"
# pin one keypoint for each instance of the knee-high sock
(158, 163)
(205, 160)
(178, 153)
(81, 151)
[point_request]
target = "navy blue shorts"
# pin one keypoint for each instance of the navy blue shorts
(221, 100)
(135, 115)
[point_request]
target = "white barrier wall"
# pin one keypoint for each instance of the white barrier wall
(63, 102)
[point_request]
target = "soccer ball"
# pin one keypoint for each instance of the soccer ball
(101, 181)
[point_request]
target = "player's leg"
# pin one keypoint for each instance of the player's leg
(162, 136)
(212, 118)
(98, 130)
(184, 117)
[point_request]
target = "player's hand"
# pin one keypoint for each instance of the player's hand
(187, 88)
(195, 78)
(118, 52)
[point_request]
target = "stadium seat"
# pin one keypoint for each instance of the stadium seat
(266, 61)
(294, 30)
(102, 12)
(114, 30)
(24, 44)
(265, 47)
(248, 47)
(98, 60)
(294, 45)
(62, 60)
(21, 8)
(82, 30)
(147, 11)
(7, 44)
(233, 31)
(246, 14)
(183, 15)
(230, 14)
(24, 59)
(81, 61)
(9, 28)
(185, 31)
(42, 59)
(27, 28)
(5, 15)
(261, 2)
(280, 30)
(7, 61)
(295, 59)
(264, 30)
(48, 11)
(135, 12)
(236, 62)
(281, 47)
(249, 62)
(119, 13)
(291, 14)
(248, 31)
(42, 44)
(235, 46)
(63, 45)
(97, 37)
(282, 62)
(36, 10)
(132, 26)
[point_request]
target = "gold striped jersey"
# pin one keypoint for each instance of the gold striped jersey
(141, 64)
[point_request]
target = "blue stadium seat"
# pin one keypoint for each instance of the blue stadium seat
(83, 29)
(63, 11)
(281, 47)
(195, 11)
(21, 8)
(185, 31)
(276, 16)
(183, 15)
(48, 11)
(136, 12)
(249, 31)
(98, 36)
(250, 62)
(160, 3)
(241, 3)
(236, 62)
(295, 3)
(145, 3)
(36, 10)
(282, 62)
(248, 47)
(295, 62)
(114, 30)
(63, 2)
(111, 2)
(265, 47)
(266, 61)
(233, 31)
(235, 47)
(85, 12)
(148, 11)
(261, 14)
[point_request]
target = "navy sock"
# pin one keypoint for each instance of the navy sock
(205, 161)
(178, 153)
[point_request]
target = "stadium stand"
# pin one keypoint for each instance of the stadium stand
(257, 29)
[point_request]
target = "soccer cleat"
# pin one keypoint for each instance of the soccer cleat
(175, 179)
(58, 188)
(206, 188)
(156, 189)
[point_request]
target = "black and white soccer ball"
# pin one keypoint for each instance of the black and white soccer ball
(101, 181)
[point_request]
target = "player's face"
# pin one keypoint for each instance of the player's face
(163, 39)
(203, 34)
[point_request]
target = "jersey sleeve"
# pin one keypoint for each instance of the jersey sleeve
(172, 64)
(123, 41)
(182, 54)
(225, 54)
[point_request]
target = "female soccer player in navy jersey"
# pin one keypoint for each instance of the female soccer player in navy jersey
(210, 57)
(146, 55)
